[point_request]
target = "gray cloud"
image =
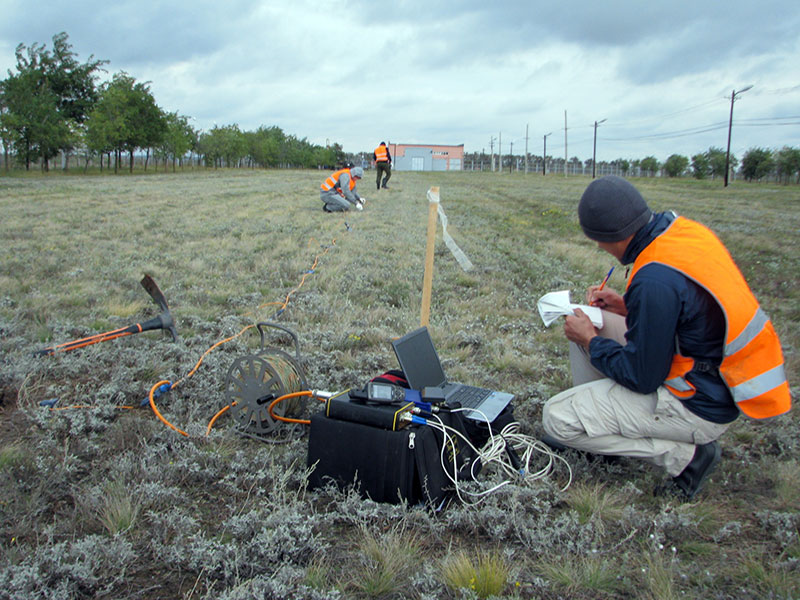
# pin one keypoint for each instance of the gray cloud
(461, 72)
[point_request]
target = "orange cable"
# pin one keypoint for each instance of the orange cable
(274, 403)
(219, 343)
(218, 415)
(158, 414)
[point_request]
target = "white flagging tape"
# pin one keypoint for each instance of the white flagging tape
(459, 255)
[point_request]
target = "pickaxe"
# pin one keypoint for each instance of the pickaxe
(162, 321)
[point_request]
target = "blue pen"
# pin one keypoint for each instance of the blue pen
(602, 285)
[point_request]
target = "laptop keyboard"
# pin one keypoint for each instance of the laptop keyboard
(468, 396)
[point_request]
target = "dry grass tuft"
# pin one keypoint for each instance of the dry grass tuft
(486, 575)
(119, 508)
(387, 560)
(592, 576)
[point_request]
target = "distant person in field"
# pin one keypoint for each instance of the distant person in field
(680, 354)
(383, 165)
(338, 192)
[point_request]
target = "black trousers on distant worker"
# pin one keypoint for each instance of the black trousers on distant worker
(383, 168)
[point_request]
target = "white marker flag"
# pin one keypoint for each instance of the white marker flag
(459, 255)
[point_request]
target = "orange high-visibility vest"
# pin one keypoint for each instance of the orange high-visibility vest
(752, 361)
(381, 154)
(333, 179)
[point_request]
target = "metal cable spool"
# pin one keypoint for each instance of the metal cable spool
(255, 380)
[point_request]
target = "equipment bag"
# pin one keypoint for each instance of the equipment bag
(407, 465)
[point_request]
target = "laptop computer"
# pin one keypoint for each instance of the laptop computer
(420, 362)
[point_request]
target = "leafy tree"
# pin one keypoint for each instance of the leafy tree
(649, 165)
(676, 165)
(46, 99)
(36, 128)
(325, 157)
(701, 166)
(757, 163)
(5, 132)
(126, 118)
(338, 154)
(716, 160)
(788, 161)
(223, 146)
(623, 165)
(264, 145)
(73, 83)
(179, 138)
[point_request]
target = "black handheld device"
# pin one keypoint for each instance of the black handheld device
(385, 392)
(379, 393)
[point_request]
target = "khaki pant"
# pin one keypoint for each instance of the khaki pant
(598, 415)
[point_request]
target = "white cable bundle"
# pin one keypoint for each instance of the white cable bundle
(494, 453)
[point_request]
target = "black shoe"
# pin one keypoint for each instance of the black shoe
(690, 481)
(325, 208)
(378, 186)
(386, 187)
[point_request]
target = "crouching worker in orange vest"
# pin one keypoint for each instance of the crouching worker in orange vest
(338, 191)
(680, 354)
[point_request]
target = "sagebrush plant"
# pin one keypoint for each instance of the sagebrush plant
(228, 517)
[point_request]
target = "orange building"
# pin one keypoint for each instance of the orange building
(426, 157)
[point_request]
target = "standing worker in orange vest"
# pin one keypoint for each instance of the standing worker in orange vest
(679, 355)
(338, 192)
(383, 165)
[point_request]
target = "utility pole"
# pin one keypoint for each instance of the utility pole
(565, 143)
(491, 147)
(734, 93)
(544, 155)
(500, 152)
(526, 148)
(594, 146)
(511, 164)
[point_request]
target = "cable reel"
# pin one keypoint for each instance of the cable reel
(255, 380)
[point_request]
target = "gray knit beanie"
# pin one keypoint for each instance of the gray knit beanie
(611, 209)
(357, 172)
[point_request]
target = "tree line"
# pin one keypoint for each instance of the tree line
(757, 164)
(53, 105)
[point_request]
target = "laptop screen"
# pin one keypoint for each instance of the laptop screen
(419, 360)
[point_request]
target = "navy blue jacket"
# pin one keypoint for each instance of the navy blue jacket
(661, 303)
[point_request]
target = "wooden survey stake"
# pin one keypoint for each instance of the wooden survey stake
(427, 282)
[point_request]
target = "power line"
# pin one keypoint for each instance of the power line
(669, 134)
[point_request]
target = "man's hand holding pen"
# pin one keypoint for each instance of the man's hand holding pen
(605, 299)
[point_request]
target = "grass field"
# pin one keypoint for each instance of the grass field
(105, 502)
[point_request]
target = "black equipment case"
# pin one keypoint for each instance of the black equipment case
(403, 465)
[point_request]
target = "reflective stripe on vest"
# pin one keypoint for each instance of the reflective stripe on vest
(752, 361)
(333, 179)
(381, 154)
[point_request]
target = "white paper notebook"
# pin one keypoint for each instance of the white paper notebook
(555, 304)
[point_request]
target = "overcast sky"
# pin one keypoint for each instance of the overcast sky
(466, 72)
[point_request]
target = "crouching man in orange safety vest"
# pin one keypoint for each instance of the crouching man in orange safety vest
(338, 191)
(679, 355)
